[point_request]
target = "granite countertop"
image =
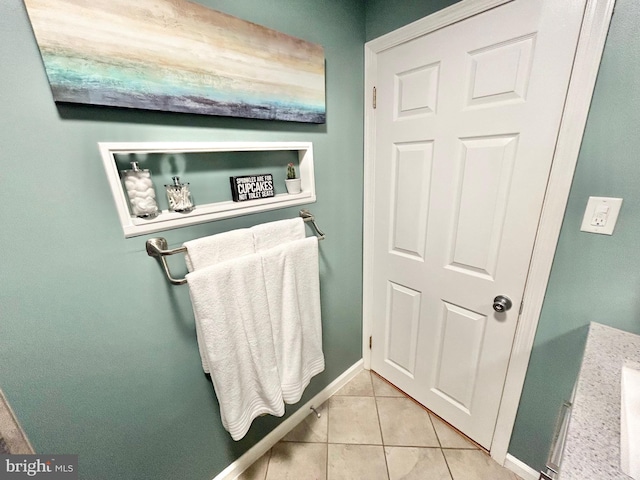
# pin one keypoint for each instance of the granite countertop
(592, 447)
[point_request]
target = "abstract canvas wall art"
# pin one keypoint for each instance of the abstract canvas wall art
(176, 55)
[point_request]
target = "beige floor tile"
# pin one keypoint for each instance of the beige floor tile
(353, 420)
(407, 463)
(298, 461)
(448, 437)
(404, 423)
(258, 470)
(384, 389)
(356, 462)
(475, 465)
(312, 428)
(360, 385)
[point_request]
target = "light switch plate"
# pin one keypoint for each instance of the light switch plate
(591, 215)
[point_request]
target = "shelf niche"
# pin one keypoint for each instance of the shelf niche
(117, 155)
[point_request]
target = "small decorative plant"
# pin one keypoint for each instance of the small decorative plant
(292, 183)
(291, 172)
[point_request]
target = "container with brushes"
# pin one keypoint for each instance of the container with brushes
(179, 197)
(142, 196)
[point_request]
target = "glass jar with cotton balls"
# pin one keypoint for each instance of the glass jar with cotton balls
(140, 192)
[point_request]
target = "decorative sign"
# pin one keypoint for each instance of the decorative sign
(252, 187)
(179, 56)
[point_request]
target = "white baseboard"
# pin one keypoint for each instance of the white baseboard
(520, 468)
(263, 446)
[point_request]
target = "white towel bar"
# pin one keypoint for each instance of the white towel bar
(158, 247)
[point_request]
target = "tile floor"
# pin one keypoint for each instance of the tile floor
(371, 431)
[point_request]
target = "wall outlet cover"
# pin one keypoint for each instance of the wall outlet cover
(601, 215)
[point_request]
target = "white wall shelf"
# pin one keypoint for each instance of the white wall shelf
(133, 226)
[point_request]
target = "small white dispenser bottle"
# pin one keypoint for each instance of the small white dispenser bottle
(142, 196)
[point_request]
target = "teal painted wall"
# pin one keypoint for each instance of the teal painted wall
(384, 16)
(594, 277)
(98, 354)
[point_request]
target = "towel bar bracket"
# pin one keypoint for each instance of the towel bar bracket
(159, 248)
(308, 217)
(155, 246)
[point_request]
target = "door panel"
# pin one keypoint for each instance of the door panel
(401, 328)
(459, 357)
(416, 91)
(466, 123)
(513, 60)
(486, 168)
(411, 185)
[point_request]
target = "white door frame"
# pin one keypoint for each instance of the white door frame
(591, 42)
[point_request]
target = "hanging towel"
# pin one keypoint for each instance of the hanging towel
(273, 234)
(206, 251)
(230, 304)
(293, 291)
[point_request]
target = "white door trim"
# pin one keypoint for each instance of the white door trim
(589, 52)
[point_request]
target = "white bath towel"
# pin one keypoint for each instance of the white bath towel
(230, 304)
(206, 251)
(273, 234)
(293, 291)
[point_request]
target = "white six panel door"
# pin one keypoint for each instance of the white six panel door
(466, 123)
